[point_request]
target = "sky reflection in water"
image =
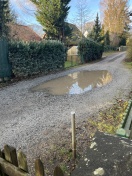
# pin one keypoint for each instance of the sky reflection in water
(75, 83)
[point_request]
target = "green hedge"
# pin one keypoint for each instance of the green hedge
(110, 48)
(89, 50)
(36, 57)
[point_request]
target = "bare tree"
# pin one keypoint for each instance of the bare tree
(83, 15)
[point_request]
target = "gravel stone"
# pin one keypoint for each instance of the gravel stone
(26, 117)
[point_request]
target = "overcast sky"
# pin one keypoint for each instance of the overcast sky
(25, 9)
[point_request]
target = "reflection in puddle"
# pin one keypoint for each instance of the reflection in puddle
(75, 83)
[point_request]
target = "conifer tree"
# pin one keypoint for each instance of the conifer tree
(97, 29)
(96, 33)
(52, 15)
(4, 17)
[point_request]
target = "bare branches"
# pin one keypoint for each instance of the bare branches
(83, 15)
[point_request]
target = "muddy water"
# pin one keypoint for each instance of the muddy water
(75, 83)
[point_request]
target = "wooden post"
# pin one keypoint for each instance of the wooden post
(39, 168)
(73, 134)
(58, 171)
(1, 174)
(2, 155)
(10, 155)
(22, 161)
(11, 170)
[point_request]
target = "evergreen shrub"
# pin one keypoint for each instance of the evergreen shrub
(110, 48)
(32, 58)
(89, 50)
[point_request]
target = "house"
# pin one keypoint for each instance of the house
(21, 32)
(88, 28)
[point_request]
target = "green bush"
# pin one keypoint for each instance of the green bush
(33, 58)
(89, 50)
(110, 48)
(129, 50)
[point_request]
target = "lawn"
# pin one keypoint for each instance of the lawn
(108, 53)
(70, 64)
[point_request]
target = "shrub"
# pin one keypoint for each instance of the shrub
(32, 58)
(129, 50)
(110, 48)
(89, 50)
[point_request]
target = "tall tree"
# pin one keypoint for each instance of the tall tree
(97, 32)
(52, 15)
(82, 15)
(107, 38)
(4, 17)
(97, 29)
(115, 17)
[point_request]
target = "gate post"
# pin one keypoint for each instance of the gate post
(5, 66)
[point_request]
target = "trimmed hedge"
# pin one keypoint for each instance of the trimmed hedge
(89, 50)
(32, 58)
(110, 48)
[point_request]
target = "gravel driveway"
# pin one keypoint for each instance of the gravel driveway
(26, 117)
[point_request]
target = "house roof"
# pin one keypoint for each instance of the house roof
(21, 32)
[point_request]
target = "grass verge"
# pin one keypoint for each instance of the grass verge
(129, 65)
(70, 64)
(108, 121)
(128, 62)
(108, 53)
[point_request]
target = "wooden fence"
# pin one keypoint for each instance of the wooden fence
(14, 163)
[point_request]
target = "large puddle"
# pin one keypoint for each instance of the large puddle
(75, 83)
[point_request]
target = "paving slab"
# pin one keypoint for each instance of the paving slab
(108, 155)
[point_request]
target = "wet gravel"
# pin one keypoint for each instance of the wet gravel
(27, 117)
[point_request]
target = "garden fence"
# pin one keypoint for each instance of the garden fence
(14, 163)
